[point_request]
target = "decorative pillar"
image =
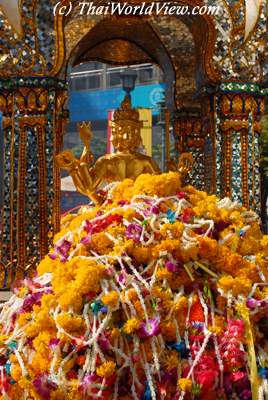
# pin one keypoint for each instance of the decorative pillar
(33, 126)
(189, 137)
(238, 110)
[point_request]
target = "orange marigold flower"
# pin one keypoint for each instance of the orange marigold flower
(107, 369)
(110, 299)
(185, 384)
(131, 326)
(171, 360)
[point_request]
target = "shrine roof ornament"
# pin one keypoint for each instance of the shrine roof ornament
(33, 41)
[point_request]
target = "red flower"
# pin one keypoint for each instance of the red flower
(187, 215)
(72, 374)
(181, 195)
(238, 375)
(197, 312)
(206, 378)
(207, 363)
(101, 224)
(236, 329)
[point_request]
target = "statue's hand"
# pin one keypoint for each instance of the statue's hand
(85, 132)
(185, 164)
(66, 160)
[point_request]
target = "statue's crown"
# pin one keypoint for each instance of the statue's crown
(126, 112)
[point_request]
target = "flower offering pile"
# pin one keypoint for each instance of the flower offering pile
(159, 293)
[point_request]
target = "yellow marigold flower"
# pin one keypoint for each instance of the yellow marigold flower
(171, 360)
(16, 372)
(215, 329)
(142, 254)
(3, 338)
(162, 274)
(80, 218)
(123, 191)
(131, 294)
(41, 342)
(181, 303)
(71, 323)
(127, 214)
(72, 280)
(66, 219)
(264, 245)
(44, 320)
(160, 185)
(47, 265)
(221, 302)
(106, 369)
(164, 296)
(226, 283)
(168, 329)
(131, 326)
(23, 292)
(13, 358)
(49, 301)
(241, 286)
(40, 363)
(25, 383)
(32, 330)
(220, 322)
(71, 298)
(249, 245)
(175, 230)
(189, 252)
(24, 319)
(208, 248)
(185, 384)
(58, 394)
(219, 325)
(167, 245)
(101, 243)
(122, 247)
(139, 309)
(110, 299)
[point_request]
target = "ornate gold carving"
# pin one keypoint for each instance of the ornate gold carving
(118, 51)
(60, 120)
(245, 169)
(188, 129)
(227, 162)
(32, 100)
(239, 113)
(235, 109)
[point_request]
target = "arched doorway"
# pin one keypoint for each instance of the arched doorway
(170, 46)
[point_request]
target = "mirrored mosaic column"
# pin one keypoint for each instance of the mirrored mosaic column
(32, 110)
(189, 137)
(237, 135)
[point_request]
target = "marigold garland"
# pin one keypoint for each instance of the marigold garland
(156, 294)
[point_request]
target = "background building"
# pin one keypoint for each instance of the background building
(95, 89)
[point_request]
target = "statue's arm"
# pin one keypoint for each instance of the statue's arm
(85, 179)
(152, 167)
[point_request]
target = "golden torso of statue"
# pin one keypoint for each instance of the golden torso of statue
(119, 166)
